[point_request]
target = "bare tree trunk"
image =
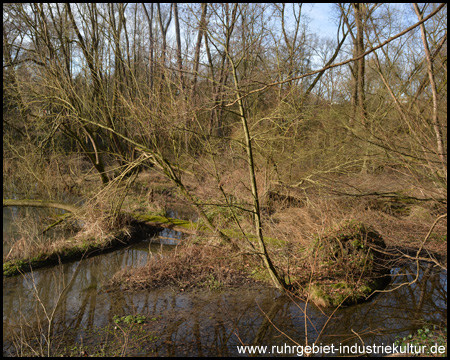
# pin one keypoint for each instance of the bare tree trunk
(223, 76)
(354, 72)
(178, 38)
(291, 46)
(360, 64)
(181, 77)
(434, 118)
(319, 75)
(213, 114)
(151, 50)
(164, 35)
(277, 280)
(9, 73)
(201, 30)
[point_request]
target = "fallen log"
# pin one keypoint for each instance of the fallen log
(40, 203)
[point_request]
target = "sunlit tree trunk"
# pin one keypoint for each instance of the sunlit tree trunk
(360, 48)
(201, 30)
(434, 118)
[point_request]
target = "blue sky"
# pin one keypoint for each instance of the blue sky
(324, 16)
(321, 15)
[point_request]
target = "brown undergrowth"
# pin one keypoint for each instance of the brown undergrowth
(299, 227)
(293, 221)
(401, 220)
(188, 266)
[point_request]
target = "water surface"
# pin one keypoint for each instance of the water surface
(209, 323)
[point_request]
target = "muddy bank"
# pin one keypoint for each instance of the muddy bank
(349, 268)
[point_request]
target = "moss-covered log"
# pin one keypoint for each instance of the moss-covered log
(183, 226)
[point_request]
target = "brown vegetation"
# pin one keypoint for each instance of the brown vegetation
(187, 267)
(263, 132)
(312, 164)
(293, 230)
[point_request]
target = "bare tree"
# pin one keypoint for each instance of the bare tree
(434, 119)
(201, 31)
(178, 37)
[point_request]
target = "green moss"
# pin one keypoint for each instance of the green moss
(130, 319)
(347, 254)
(232, 233)
(212, 283)
(319, 296)
(365, 290)
(341, 293)
(260, 274)
(158, 219)
(356, 243)
(12, 267)
(340, 285)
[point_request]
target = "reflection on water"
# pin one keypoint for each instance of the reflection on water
(203, 323)
(178, 212)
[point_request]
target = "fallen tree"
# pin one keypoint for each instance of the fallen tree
(40, 203)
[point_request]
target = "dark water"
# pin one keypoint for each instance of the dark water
(208, 323)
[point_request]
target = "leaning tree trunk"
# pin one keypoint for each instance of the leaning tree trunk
(277, 280)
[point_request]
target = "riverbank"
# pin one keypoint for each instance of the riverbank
(24, 257)
(304, 235)
(293, 224)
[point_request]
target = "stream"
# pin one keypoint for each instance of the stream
(203, 322)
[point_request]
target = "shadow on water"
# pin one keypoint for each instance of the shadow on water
(208, 323)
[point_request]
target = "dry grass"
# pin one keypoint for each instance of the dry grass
(405, 225)
(98, 230)
(186, 267)
(31, 241)
(321, 205)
